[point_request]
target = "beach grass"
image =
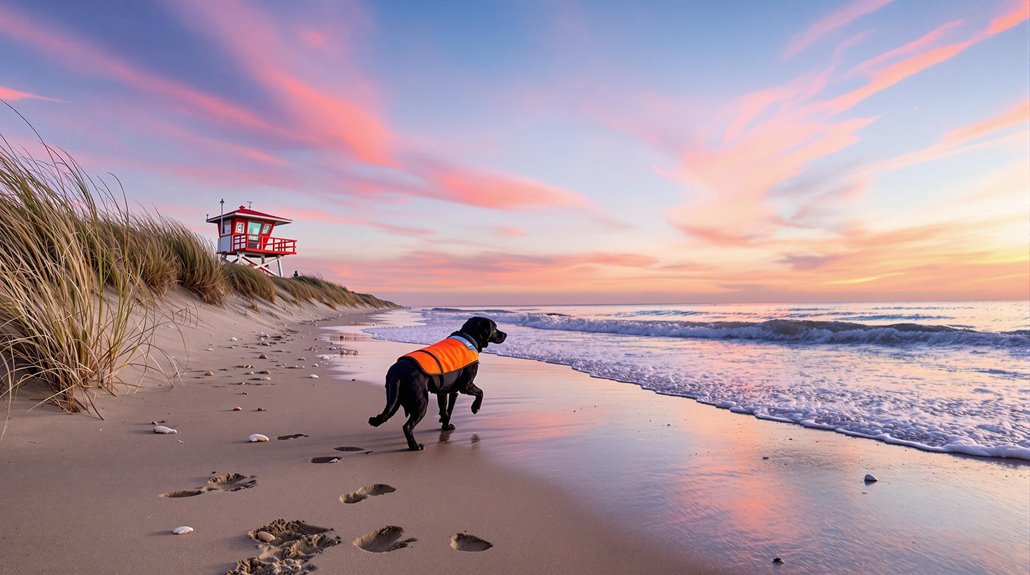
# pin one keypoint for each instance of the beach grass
(68, 289)
(249, 282)
(81, 277)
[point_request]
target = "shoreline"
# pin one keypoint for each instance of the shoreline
(561, 472)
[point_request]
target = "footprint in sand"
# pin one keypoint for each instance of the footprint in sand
(383, 540)
(329, 459)
(224, 482)
(366, 492)
(291, 436)
(285, 547)
(466, 542)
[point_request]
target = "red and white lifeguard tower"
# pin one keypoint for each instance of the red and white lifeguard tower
(245, 237)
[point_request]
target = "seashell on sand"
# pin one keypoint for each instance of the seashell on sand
(185, 529)
(163, 429)
(257, 438)
(870, 478)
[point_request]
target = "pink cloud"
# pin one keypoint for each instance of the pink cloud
(773, 135)
(84, 57)
(969, 137)
(511, 231)
(492, 272)
(497, 191)
(823, 28)
(12, 95)
(924, 58)
(326, 115)
(1019, 13)
(917, 45)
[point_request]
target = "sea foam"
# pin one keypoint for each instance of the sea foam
(928, 386)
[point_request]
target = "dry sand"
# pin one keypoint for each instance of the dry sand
(85, 495)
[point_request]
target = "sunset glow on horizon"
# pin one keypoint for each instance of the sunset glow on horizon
(469, 153)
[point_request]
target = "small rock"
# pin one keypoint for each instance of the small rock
(260, 409)
(870, 478)
(264, 536)
(257, 438)
(233, 339)
(163, 429)
(182, 530)
(264, 372)
(778, 561)
(210, 349)
(314, 365)
(237, 408)
(765, 457)
(209, 373)
(313, 376)
(302, 359)
(262, 356)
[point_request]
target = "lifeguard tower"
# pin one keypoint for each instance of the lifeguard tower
(245, 237)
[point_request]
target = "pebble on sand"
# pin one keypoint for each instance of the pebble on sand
(313, 376)
(182, 530)
(209, 373)
(163, 429)
(237, 408)
(264, 536)
(257, 438)
(870, 478)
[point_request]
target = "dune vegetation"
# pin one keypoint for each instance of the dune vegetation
(83, 277)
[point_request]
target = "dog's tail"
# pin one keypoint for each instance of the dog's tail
(393, 392)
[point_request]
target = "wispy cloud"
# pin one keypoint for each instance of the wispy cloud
(773, 135)
(12, 95)
(830, 24)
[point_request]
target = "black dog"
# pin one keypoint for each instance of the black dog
(445, 368)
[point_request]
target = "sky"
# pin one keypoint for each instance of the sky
(561, 151)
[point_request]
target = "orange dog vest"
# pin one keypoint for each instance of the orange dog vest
(445, 356)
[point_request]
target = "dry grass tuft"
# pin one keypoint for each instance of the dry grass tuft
(249, 282)
(69, 288)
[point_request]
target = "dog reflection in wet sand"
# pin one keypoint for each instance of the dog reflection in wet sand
(446, 368)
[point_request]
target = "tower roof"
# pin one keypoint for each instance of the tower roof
(251, 214)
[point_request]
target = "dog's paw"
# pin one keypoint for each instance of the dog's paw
(447, 427)
(418, 447)
(375, 421)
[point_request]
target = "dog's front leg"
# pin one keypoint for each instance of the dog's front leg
(478, 402)
(446, 403)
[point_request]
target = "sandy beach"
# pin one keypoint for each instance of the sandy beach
(84, 495)
(559, 473)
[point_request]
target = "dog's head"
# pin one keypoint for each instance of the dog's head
(484, 331)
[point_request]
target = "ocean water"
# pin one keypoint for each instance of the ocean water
(945, 377)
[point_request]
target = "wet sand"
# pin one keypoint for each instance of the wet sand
(558, 473)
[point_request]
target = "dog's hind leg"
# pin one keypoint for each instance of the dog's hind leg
(414, 416)
(446, 403)
(393, 386)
